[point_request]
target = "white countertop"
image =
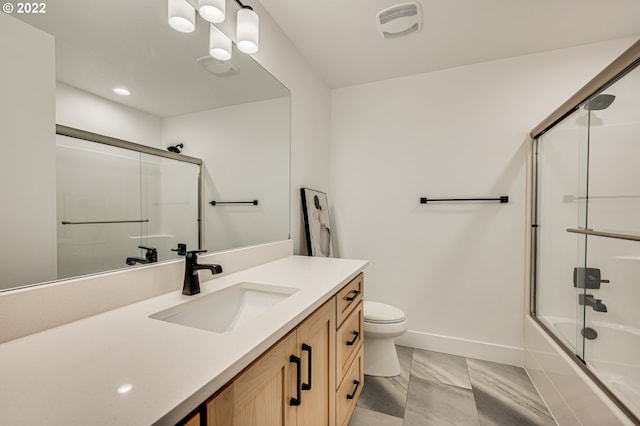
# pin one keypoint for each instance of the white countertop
(69, 375)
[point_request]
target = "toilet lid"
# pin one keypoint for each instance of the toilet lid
(380, 313)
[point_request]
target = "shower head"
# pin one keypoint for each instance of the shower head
(602, 101)
(175, 148)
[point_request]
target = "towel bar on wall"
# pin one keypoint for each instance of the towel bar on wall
(502, 199)
(217, 203)
(594, 233)
(100, 222)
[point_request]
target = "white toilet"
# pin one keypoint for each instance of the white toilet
(382, 323)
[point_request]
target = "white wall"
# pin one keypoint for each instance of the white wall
(457, 270)
(27, 164)
(83, 110)
(245, 149)
(310, 116)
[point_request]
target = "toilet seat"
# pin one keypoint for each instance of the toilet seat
(380, 313)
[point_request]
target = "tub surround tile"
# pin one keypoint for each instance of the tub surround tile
(504, 395)
(431, 403)
(442, 368)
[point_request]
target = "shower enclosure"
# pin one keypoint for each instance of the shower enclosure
(121, 204)
(586, 232)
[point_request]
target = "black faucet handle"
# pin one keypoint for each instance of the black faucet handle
(182, 249)
(196, 251)
(152, 253)
(192, 255)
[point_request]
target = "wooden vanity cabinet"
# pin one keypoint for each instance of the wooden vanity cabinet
(317, 347)
(349, 349)
(266, 392)
(259, 395)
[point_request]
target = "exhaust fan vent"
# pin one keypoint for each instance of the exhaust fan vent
(217, 67)
(399, 20)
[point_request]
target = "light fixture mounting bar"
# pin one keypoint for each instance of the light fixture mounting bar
(242, 5)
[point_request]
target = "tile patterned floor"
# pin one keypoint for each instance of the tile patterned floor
(440, 389)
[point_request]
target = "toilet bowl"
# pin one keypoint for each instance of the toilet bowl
(382, 324)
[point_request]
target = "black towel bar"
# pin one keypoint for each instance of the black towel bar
(502, 199)
(217, 203)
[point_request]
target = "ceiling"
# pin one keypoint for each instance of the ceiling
(104, 44)
(340, 40)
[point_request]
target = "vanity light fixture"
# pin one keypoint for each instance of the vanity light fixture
(182, 16)
(219, 44)
(122, 91)
(247, 29)
(212, 10)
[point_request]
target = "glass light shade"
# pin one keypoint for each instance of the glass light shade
(212, 10)
(247, 30)
(182, 16)
(219, 44)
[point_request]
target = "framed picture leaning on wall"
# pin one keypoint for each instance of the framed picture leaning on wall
(317, 225)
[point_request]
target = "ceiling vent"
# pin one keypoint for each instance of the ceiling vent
(217, 67)
(399, 20)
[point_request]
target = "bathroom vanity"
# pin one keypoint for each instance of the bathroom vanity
(132, 365)
(319, 365)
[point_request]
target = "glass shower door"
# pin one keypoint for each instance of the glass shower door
(562, 181)
(587, 230)
(169, 191)
(99, 206)
(119, 207)
(613, 351)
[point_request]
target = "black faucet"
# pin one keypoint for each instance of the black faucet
(589, 300)
(151, 256)
(191, 283)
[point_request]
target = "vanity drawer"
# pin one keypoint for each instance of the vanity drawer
(349, 297)
(350, 389)
(349, 340)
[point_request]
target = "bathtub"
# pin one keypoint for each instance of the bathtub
(613, 356)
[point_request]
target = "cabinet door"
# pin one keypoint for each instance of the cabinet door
(261, 395)
(316, 345)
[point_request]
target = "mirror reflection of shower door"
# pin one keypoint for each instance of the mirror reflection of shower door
(96, 183)
(113, 200)
(169, 190)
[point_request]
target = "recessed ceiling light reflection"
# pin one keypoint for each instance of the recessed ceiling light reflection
(125, 388)
(122, 91)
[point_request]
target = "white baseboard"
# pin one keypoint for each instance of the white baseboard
(463, 347)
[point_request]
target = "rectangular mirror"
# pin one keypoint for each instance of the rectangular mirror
(64, 65)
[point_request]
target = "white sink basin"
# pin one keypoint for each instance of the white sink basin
(226, 309)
